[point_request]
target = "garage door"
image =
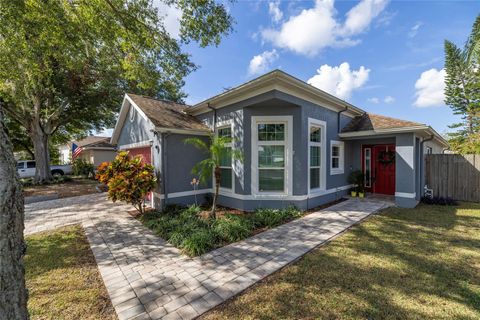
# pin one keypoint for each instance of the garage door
(144, 152)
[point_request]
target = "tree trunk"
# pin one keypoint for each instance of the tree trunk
(13, 294)
(218, 173)
(42, 156)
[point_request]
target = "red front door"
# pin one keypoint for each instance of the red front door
(380, 159)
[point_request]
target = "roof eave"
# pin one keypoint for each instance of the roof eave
(281, 80)
(205, 132)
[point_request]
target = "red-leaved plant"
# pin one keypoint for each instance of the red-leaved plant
(128, 179)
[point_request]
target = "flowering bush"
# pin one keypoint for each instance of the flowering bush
(128, 179)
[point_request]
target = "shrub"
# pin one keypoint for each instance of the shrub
(199, 242)
(128, 180)
(440, 201)
(272, 217)
(232, 228)
(83, 168)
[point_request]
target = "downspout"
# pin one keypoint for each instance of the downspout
(338, 118)
(214, 116)
(422, 164)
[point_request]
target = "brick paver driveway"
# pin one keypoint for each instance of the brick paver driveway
(149, 279)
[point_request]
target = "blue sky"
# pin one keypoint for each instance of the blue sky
(383, 56)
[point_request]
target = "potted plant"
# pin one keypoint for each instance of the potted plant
(356, 178)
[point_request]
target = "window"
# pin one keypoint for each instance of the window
(30, 164)
(367, 167)
(336, 157)
(226, 175)
(20, 165)
(271, 141)
(428, 150)
(315, 150)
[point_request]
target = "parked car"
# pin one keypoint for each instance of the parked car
(26, 169)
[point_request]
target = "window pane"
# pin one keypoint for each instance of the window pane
(225, 158)
(271, 132)
(271, 156)
(225, 132)
(271, 180)
(335, 163)
(315, 134)
(314, 178)
(226, 178)
(315, 156)
(335, 151)
(31, 164)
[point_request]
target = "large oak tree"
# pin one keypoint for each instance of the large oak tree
(66, 63)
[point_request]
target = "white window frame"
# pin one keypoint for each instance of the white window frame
(222, 125)
(341, 157)
(288, 143)
(369, 168)
(323, 152)
(428, 150)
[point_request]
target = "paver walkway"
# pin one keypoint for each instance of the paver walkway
(148, 278)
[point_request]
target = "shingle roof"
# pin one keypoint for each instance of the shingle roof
(167, 114)
(94, 142)
(369, 121)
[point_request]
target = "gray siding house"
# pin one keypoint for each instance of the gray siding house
(299, 145)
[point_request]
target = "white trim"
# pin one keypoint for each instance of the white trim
(141, 144)
(405, 195)
(323, 149)
(341, 157)
(126, 104)
(279, 81)
(183, 131)
(183, 193)
(252, 197)
(288, 143)
(285, 197)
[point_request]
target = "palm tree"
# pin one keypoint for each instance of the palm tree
(217, 150)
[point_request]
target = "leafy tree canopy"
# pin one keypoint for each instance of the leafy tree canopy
(65, 64)
(462, 92)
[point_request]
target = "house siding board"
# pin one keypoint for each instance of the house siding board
(138, 130)
(405, 169)
(181, 158)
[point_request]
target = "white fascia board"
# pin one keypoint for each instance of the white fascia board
(381, 131)
(183, 131)
(282, 82)
(127, 102)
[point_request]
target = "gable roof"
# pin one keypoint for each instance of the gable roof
(94, 141)
(161, 115)
(280, 81)
(370, 124)
(370, 121)
(167, 114)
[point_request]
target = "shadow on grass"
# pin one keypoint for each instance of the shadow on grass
(404, 263)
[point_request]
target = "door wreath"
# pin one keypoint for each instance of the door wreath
(386, 157)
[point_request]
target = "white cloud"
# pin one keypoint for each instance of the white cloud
(430, 88)
(374, 100)
(171, 17)
(389, 99)
(339, 80)
(274, 10)
(314, 29)
(262, 62)
(414, 30)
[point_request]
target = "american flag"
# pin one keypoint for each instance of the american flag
(76, 150)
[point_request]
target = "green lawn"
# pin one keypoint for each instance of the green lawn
(63, 279)
(421, 263)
